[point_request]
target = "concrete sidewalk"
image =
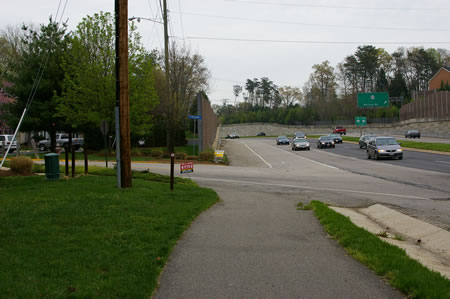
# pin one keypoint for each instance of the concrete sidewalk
(426, 243)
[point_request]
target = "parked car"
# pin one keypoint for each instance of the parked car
(300, 135)
(384, 147)
(336, 137)
(340, 130)
(364, 140)
(62, 140)
(412, 134)
(300, 144)
(325, 141)
(282, 140)
(261, 134)
(5, 141)
(232, 136)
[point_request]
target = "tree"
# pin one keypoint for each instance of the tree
(290, 95)
(43, 50)
(89, 84)
(367, 57)
(188, 76)
(237, 89)
(11, 47)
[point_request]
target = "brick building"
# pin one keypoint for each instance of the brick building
(442, 77)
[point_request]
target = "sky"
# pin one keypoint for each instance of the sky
(281, 40)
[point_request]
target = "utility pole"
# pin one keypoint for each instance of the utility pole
(122, 90)
(170, 124)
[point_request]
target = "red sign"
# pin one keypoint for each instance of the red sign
(187, 167)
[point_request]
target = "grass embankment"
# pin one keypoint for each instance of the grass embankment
(83, 237)
(441, 147)
(388, 261)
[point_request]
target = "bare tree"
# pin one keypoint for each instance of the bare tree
(290, 95)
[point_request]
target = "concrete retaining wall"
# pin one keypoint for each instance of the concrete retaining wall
(437, 129)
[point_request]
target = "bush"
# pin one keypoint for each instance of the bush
(206, 156)
(166, 155)
(180, 156)
(192, 158)
(156, 153)
(21, 165)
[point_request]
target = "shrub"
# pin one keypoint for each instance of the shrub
(206, 156)
(180, 156)
(156, 153)
(21, 165)
(166, 155)
(192, 158)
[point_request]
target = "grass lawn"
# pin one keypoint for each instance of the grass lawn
(388, 261)
(83, 237)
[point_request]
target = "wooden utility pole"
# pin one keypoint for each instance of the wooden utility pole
(170, 116)
(124, 104)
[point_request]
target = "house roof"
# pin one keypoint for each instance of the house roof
(445, 68)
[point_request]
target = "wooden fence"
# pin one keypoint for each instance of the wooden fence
(429, 105)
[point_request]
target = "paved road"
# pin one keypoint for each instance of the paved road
(411, 159)
(256, 244)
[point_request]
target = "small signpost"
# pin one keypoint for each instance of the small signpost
(219, 153)
(104, 127)
(360, 121)
(187, 167)
(373, 100)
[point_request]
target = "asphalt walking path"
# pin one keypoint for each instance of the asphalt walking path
(255, 244)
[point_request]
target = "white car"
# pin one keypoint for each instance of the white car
(5, 140)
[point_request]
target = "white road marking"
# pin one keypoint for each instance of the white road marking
(267, 163)
(443, 162)
(300, 157)
(311, 188)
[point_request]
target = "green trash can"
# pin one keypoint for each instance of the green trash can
(51, 166)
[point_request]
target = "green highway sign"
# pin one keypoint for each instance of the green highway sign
(360, 121)
(373, 99)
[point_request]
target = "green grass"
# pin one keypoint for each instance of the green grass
(387, 261)
(83, 237)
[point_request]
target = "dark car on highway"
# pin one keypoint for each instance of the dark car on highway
(365, 139)
(300, 144)
(300, 135)
(282, 140)
(384, 147)
(261, 134)
(336, 137)
(412, 134)
(325, 141)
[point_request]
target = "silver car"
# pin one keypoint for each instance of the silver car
(300, 144)
(384, 147)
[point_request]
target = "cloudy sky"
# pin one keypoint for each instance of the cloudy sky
(281, 39)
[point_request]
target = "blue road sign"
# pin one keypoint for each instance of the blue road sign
(194, 116)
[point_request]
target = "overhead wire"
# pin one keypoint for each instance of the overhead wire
(316, 42)
(340, 6)
(312, 24)
(181, 19)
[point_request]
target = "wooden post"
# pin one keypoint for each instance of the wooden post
(172, 162)
(66, 156)
(124, 105)
(85, 158)
(73, 160)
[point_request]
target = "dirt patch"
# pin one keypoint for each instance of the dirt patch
(6, 173)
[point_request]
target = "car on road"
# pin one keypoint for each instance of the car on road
(364, 140)
(300, 144)
(62, 140)
(384, 147)
(336, 137)
(261, 134)
(300, 135)
(412, 134)
(5, 141)
(282, 140)
(232, 136)
(325, 141)
(340, 130)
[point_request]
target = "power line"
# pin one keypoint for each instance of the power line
(340, 6)
(315, 42)
(311, 24)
